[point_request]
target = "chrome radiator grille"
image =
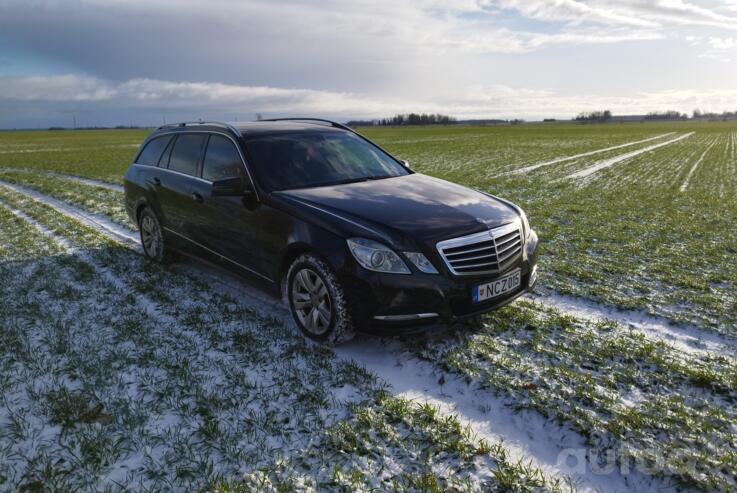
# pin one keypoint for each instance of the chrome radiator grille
(487, 252)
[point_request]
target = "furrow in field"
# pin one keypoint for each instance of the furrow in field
(684, 186)
(533, 167)
(66, 176)
(623, 157)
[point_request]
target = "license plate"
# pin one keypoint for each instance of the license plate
(493, 289)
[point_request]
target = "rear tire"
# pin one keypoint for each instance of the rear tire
(317, 301)
(152, 237)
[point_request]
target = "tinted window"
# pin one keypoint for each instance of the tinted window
(186, 153)
(282, 161)
(164, 161)
(153, 150)
(221, 160)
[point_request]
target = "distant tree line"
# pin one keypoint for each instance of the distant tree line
(666, 115)
(705, 115)
(408, 119)
(594, 116)
(606, 115)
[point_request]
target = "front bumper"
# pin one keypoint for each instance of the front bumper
(394, 304)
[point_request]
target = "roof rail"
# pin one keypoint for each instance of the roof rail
(214, 124)
(314, 120)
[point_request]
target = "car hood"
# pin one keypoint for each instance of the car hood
(425, 208)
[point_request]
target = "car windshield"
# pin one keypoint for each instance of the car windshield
(284, 161)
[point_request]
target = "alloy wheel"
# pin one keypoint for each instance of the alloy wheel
(311, 302)
(151, 236)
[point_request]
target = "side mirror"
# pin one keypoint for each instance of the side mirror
(405, 163)
(230, 187)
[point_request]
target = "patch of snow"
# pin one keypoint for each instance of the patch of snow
(632, 398)
(688, 338)
(39, 227)
(95, 221)
(584, 154)
(606, 163)
(684, 186)
(67, 176)
(527, 436)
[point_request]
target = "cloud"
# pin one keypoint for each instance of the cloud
(358, 59)
(641, 13)
(715, 47)
(147, 99)
(574, 11)
(55, 88)
(722, 43)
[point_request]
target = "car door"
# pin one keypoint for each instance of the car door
(233, 227)
(175, 185)
(144, 177)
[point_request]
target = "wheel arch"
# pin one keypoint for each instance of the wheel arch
(328, 248)
(139, 208)
(291, 254)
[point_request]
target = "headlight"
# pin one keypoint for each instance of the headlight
(525, 224)
(375, 256)
(421, 262)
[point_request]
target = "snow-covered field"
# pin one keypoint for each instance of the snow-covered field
(121, 373)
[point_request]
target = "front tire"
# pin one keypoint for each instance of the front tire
(317, 301)
(152, 236)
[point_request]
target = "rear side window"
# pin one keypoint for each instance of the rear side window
(164, 161)
(151, 154)
(186, 154)
(221, 160)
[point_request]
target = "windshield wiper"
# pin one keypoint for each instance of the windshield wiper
(342, 182)
(365, 178)
(362, 178)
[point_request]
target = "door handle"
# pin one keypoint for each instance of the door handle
(197, 197)
(157, 182)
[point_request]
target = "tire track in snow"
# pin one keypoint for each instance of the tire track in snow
(606, 163)
(142, 302)
(62, 242)
(584, 154)
(95, 221)
(688, 338)
(66, 176)
(684, 186)
(527, 436)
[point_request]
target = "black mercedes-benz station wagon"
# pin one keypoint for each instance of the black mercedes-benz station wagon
(350, 235)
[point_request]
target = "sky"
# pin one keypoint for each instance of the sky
(145, 62)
